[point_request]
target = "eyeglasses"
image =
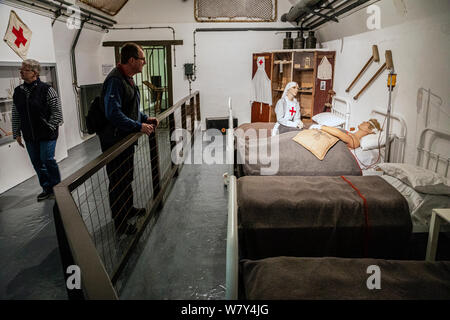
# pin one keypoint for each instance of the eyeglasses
(25, 70)
(138, 58)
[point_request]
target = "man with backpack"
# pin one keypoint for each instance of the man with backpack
(121, 99)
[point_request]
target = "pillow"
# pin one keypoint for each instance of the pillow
(413, 198)
(328, 119)
(420, 179)
(316, 141)
(370, 141)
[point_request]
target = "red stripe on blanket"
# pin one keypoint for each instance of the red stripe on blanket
(366, 216)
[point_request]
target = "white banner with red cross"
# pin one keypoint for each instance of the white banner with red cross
(18, 35)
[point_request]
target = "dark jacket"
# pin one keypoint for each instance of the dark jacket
(129, 94)
(34, 112)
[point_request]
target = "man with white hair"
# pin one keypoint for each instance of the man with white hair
(36, 116)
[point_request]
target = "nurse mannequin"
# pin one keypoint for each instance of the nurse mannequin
(288, 110)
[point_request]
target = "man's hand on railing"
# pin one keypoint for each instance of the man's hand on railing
(153, 121)
(148, 129)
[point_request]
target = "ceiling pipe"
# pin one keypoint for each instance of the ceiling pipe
(85, 14)
(345, 10)
(88, 12)
(301, 10)
(334, 9)
(61, 10)
(328, 7)
(306, 10)
(245, 29)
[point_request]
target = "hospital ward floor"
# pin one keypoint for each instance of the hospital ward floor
(182, 257)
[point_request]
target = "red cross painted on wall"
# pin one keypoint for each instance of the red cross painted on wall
(292, 111)
(20, 38)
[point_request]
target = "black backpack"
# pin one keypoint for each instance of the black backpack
(95, 119)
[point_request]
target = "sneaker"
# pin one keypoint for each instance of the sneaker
(135, 212)
(128, 229)
(45, 195)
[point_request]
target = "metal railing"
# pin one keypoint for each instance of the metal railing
(134, 173)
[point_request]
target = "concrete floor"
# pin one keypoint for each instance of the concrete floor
(182, 256)
(29, 258)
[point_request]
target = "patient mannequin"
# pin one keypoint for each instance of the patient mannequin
(353, 139)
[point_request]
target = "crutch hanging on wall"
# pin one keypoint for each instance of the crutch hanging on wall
(374, 58)
(388, 64)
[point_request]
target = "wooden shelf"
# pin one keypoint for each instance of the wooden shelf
(282, 62)
(300, 91)
(299, 66)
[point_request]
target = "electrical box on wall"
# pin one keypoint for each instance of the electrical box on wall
(220, 123)
(188, 69)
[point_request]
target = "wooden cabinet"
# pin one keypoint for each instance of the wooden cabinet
(300, 66)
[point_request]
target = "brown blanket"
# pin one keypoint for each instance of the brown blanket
(264, 129)
(293, 159)
(289, 278)
(321, 216)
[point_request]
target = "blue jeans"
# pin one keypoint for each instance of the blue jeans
(42, 155)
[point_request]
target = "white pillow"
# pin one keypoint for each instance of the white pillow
(413, 198)
(422, 180)
(420, 204)
(370, 141)
(328, 119)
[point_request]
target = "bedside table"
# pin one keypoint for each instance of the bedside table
(438, 215)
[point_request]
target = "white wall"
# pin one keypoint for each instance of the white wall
(224, 59)
(89, 56)
(15, 164)
(419, 41)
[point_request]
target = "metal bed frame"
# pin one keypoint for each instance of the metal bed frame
(339, 112)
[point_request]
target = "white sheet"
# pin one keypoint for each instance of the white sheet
(367, 158)
(420, 204)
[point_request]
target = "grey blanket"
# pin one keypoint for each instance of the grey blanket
(321, 216)
(289, 158)
(289, 278)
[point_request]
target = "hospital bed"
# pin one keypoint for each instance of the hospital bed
(293, 278)
(336, 234)
(294, 160)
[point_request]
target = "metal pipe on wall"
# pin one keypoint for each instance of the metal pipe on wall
(141, 28)
(73, 65)
(292, 29)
